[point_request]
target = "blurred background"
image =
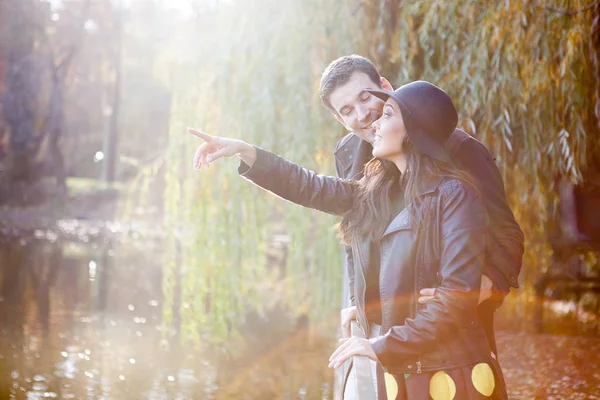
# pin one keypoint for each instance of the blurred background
(126, 274)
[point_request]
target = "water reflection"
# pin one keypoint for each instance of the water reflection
(85, 322)
(68, 333)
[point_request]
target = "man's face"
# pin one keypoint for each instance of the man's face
(356, 109)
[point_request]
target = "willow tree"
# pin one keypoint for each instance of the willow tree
(251, 71)
(523, 75)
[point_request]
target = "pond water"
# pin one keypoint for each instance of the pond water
(84, 320)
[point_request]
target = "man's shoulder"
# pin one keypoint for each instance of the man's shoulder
(350, 140)
(461, 144)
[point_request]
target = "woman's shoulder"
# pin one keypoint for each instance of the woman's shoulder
(451, 187)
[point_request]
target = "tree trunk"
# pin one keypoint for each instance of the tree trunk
(20, 101)
(20, 97)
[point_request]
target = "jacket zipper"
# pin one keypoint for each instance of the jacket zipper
(417, 310)
(417, 265)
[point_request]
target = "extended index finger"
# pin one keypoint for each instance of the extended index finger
(204, 136)
(427, 292)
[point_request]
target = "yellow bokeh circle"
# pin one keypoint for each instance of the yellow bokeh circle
(483, 379)
(391, 386)
(442, 387)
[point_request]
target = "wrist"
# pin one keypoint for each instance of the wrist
(247, 153)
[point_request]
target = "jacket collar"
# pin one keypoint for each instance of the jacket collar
(402, 220)
(429, 185)
(353, 153)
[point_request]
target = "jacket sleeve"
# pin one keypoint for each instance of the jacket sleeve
(506, 247)
(299, 185)
(454, 307)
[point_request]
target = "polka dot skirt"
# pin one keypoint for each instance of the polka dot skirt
(481, 381)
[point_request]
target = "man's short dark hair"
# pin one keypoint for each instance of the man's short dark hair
(339, 71)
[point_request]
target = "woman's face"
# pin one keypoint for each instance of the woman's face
(389, 134)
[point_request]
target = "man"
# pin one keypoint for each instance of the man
(342, 91)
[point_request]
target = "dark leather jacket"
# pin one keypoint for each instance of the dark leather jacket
(446, 332)
(350, 155)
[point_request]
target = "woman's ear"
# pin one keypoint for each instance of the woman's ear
(386, 85)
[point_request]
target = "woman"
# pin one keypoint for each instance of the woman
(428, 223)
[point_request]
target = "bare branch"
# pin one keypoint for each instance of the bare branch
(570, 13)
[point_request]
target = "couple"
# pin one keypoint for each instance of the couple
(426, 217)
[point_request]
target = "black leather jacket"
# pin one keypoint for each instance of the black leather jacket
(350, 155)
(446, 332)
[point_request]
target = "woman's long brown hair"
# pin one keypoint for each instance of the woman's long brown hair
(373, 210)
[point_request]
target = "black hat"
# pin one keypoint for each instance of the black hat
(428, 113)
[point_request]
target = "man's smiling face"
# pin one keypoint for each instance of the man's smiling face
(356, 109)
